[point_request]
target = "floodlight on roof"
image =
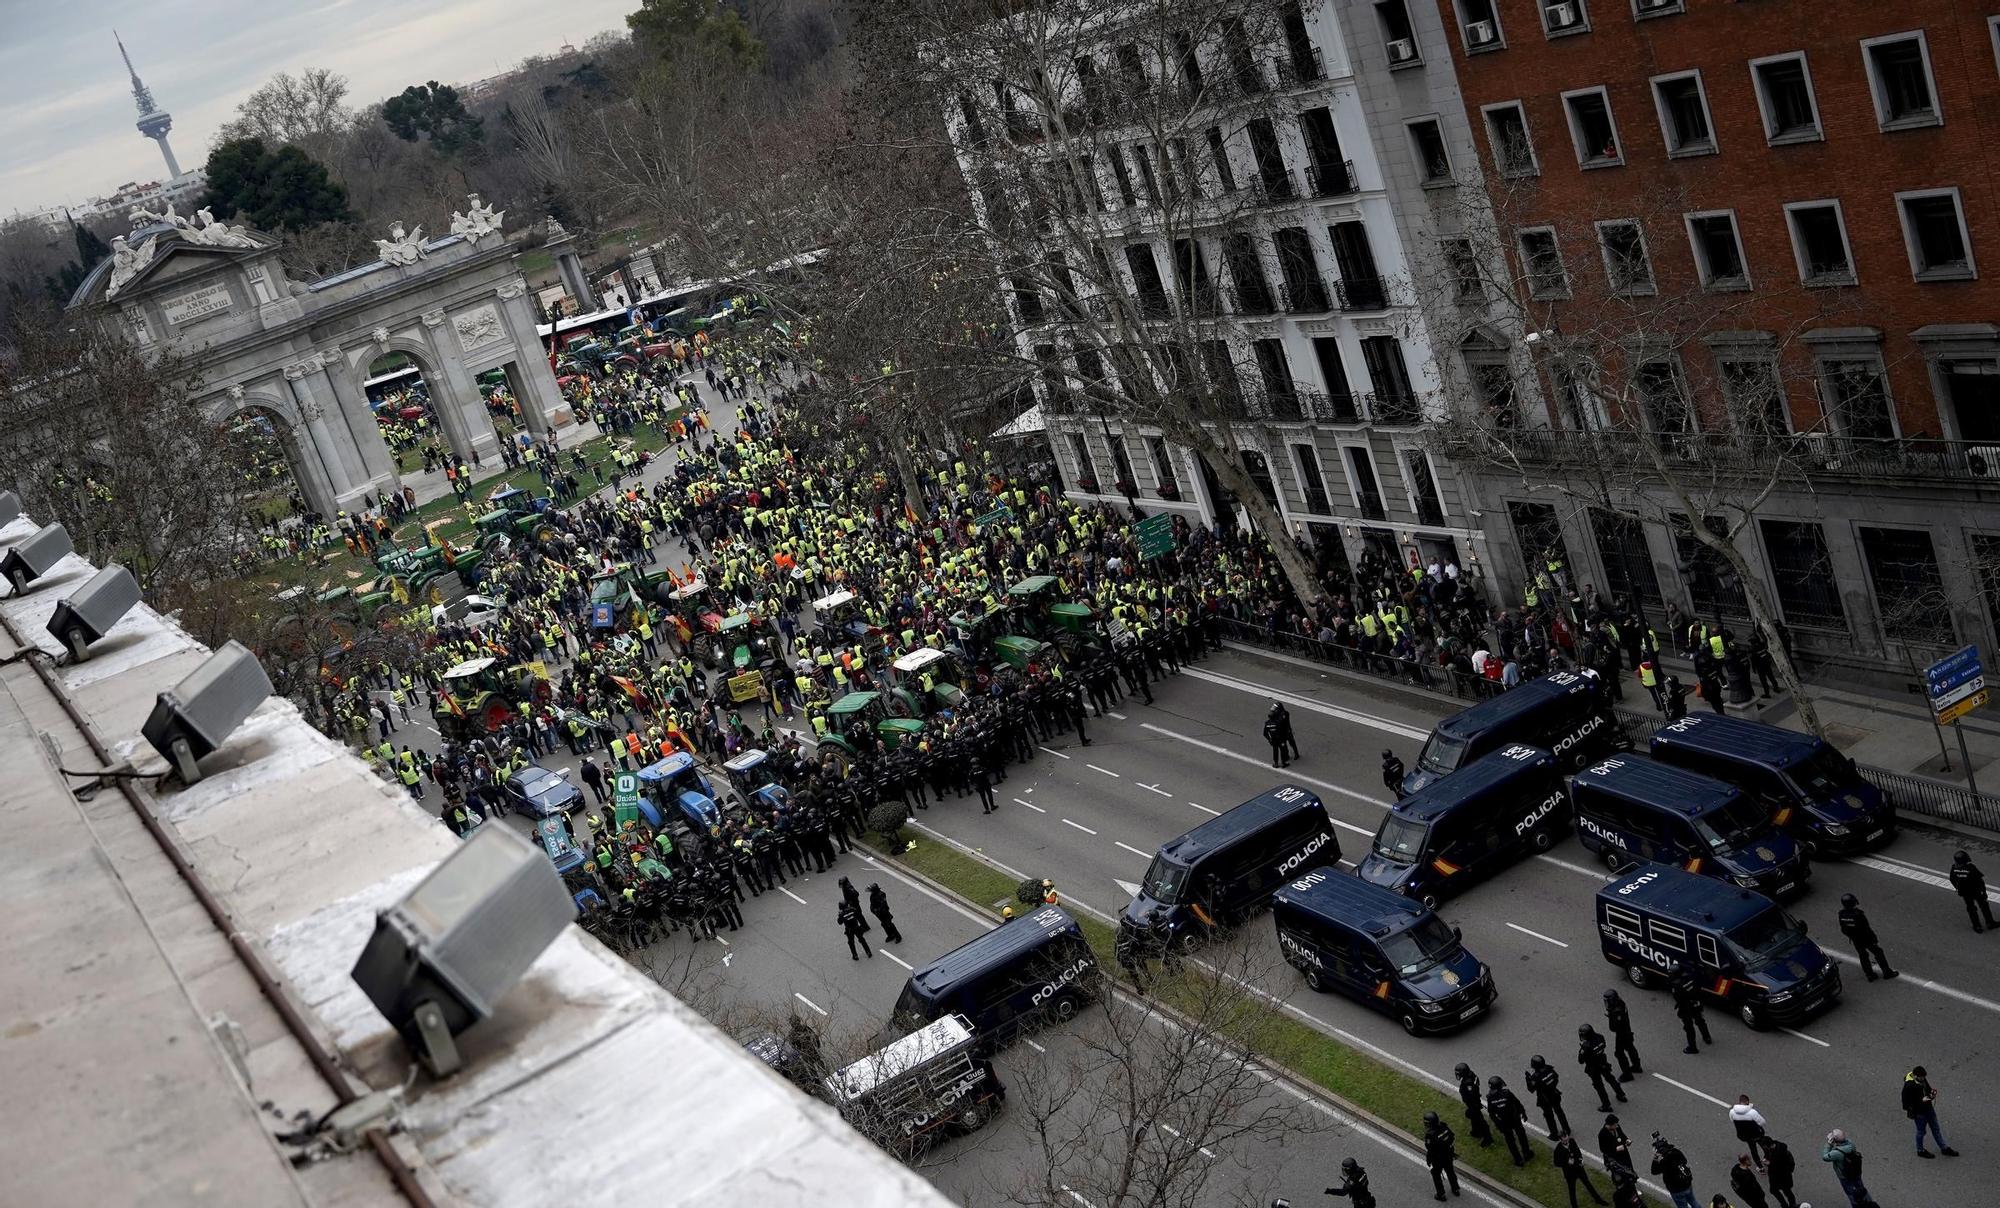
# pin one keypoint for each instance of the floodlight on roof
(10, 507)
(197, 715)
(442, 958)
(37, 556)
(89, 612)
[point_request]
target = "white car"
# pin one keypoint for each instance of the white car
(481, 611)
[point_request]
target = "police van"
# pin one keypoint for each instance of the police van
(1563, 713)
(1035, 968)
(1630, 809)
(1741, 949)
(920, 1088)
(1382, 949)
(1812, 791)
(1225, 869)
(1474, 822)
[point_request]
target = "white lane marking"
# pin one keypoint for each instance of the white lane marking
(723, 942)
(809, 1002)
(1057, 754)
(1115, 713)
(899, 960)
(1538, 935)
(1924, 983)
(1307, 702)
(1107, 771)
(794, 897)
(1204, 809)
(1154, 788)
(1031, 805)
(1080, 826)
(1038, 1048)
(1690, 1090)
(1802, 1036)
(1135, 851)
(1913, 872)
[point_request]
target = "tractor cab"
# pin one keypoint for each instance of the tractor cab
(834, 612)
(926, 680)
(860, 713)
(750, 774)
(1021, 653)
(473, 699)
(1038, 613)
(624, 584)
(677, 783)
(976, 629)
(515, 514)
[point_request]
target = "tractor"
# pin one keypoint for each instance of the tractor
(515, 515)
(925, 681)
(1037, 613)
(476, 698)
(864, 712)
(739, 642)
(677, 783)
(750, 775)
(841, 624)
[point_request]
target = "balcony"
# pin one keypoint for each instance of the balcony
(1204, 301)
(1807, 456)
(1305, 297)
(1275, 190)
(1153, 304)
(1285, 404)
(1302, 65)
(1253, 300)
(1362, 293)
(1332, 179)
(1396, 409)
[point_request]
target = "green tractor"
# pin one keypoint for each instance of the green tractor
(863, 712)
(516, 515)
(416, 568)
(739, 642)
(478, 698)
(1071, 627)
(925, 681)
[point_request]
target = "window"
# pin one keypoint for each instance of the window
(1360, 286)
(1333, 374)
(1218, 155)
(1785, 98)
(1397, 37)
(1361, 477)
(1802, 574)
(1079, 453)
(1424, 497)
(1626, 265)
(1627, 559)
(1855, 397)
(1146, 282)
(1718, 251)
(1539, 536)
(1432, 158)
(1467, 283)
(1163, 464)
(1190, 62)
(1656, 8)
(1507, 131)
(1132, 68)
(1591, 128)
(1221, 374)
(1683, 105)
(1564, 17)
(1328, 170)
(1259, 469)
(1756, 400)
(1819, 242)
(1197, 289)
(1713, 586)
(1311, 482)
(1123, 175)
(1269, 157)
(1395, 401)
(1143, 158)
(1121, 462)
(1543, 262)
(1246, 269)
(1481, 25)
(1495, 385)
(1027, 300)
(1661, 399)
(1274, 369)
(1305, 290)
(1934, 231)
(1909, 591)
(1986, 548)
(1899, 77)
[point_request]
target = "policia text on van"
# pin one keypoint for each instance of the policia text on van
(1032, 969)
(1474, 822)
(1738, 948)
(1225, 869)
(1564, 714)
(1629, 809)
(1813, 792)
(1380, 949)
(911, 1091)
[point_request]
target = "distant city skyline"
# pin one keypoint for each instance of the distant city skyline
(66, 101)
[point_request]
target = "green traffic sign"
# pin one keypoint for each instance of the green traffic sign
(1155, 536)
(625, 799)
(1003, 512)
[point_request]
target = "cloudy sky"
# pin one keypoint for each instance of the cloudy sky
(66, 104)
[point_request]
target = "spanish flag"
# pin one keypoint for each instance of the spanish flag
(631, 689)
(452, 706)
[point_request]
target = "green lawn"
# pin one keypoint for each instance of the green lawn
(1346, 1073)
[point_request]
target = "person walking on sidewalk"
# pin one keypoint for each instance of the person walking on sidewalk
(856, 927)
(1970, 885)
(878, 905)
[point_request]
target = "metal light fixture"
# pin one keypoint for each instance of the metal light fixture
(197, 715)
(88, 613)
(442, 958)
(10, 507)
(37, 556)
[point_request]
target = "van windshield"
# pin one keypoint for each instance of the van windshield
(1766, 938)
(1164, 881)
(1422, 946)
(1442, 753)
(912, 1008)
(1733, 825)
(1401, 839)
(1826, 776)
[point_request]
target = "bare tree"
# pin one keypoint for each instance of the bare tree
(308, 110)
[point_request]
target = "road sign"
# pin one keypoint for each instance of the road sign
(625, 799)
(1953, 670)
(1952, 713)
(1953, 695)
(1003, 512)
(1155, 536)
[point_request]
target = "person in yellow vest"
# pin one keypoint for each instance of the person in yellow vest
(1649, 679)
(412, 780)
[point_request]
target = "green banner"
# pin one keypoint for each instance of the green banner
(625, 799)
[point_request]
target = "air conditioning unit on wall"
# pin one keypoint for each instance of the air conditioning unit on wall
(1561, 16)
(1481, 33)
(1402, 50)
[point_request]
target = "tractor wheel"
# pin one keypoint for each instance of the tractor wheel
(495, 714)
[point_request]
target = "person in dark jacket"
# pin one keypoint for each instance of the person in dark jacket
(1688, 1006)
(878, 905)
(1277, 732)
(1468, 1094)
(1618, 1017)
(1855, 926)
(1920, 1105)
(1970, 885)
(1592, 1055)
(1392, 773)
(1568, 1158)
(1510, 1116)
(1743, 1181)
(856, 927)
(1353, 1184)
(1546, 1086)
(1670, 1166)
(1440, 1153)
(1614, 1146)
(1779, 1169)
(849, 895)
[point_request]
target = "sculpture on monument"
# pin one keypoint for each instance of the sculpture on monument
(400, 248)
(127, 262)
(555, 230)
(202, 230)
(478, 221)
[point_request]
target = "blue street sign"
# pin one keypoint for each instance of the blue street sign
(1952, 670)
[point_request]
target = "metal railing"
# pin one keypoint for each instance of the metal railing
(1306, 297)
(1274, 190)
(1332, 179)
(1912, 794)
(1300, 65)
(1255, 301)
(1362, 293)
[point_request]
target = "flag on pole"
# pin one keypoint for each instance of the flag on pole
(452, 706)
(631, 689)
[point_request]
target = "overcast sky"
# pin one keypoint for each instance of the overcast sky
(66, 104)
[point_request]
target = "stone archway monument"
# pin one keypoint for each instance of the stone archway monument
(299, 350)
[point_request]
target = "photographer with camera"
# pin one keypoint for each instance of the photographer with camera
(1670, 1165)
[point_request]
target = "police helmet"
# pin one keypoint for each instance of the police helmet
(1496, 1082)
(1538, 1061)
(1849, 900)
(1586, 1031)
(1430, 1118)
(1349, 1166)
(1462, 1069)
(1959, 857)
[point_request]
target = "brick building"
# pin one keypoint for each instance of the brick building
(1830, 174)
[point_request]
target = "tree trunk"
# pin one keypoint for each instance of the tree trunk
(1762, 616)
(1230, 472)
(911, 477)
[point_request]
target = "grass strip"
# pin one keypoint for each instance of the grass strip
(1348, 1074)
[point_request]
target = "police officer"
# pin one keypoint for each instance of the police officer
(1353, 1184)
(1392, 773)
(1275, 734)
(1855, 926)
(1510, 1116)
(1591, 1054)
(1468, 1094)
(1440, 1153)
(1688, 1007)
(1970, 885)
(1619, 1019)
(1546, 1086)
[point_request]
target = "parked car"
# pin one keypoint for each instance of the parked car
(540, 792)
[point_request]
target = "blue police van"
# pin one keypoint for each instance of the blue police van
(1630, 809)
(1024, 972)
(1225, 869)
(1563, 713)
(1812, 791)
(1382, 949)
(1474, 822)
(1741, 950)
